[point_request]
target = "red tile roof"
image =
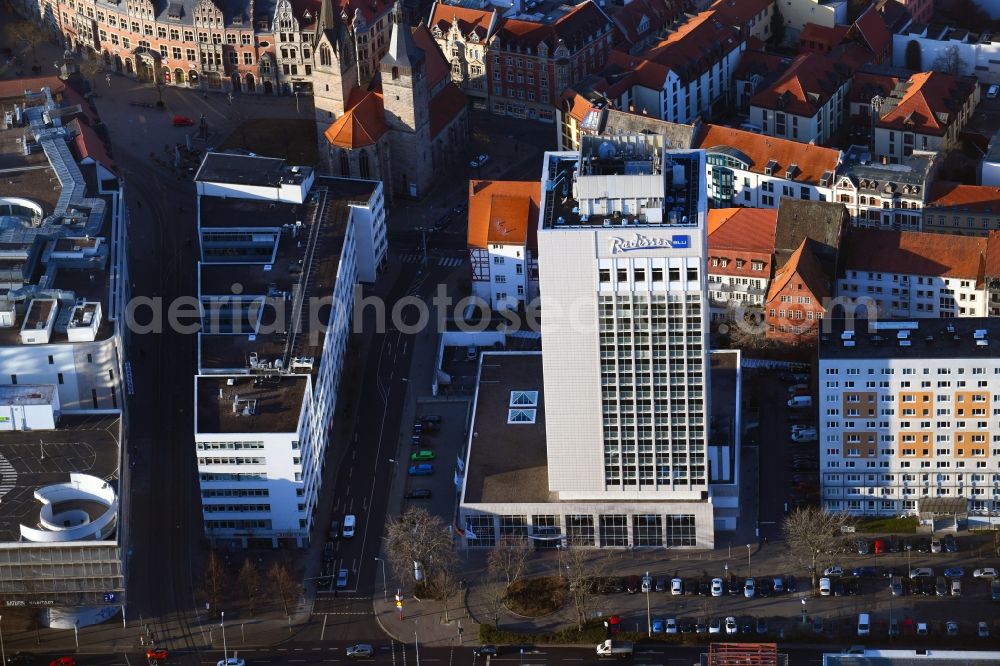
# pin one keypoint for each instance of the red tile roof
(872, 30)
(972, 198)
(16, 87)
(646, 73)
(87, 144)
(805, 87)
(766, 65)
(914, 253)
(742, 230)
(578, 105)
(503, 211)
(739, 12)
(363, 124)
(992, 262)
(804, 264)
(820, 34)
(930, 104)
(812, 161)
(370, 9)
(469, 20)
(575, 28)
(695, 45)
(445, 106)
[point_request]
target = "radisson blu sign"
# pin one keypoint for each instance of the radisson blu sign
(640, 242)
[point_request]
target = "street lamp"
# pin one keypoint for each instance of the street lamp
(803, 610)
(385, 594)
(649, 621)
(225, 650)
(909, 550)
(749, 573)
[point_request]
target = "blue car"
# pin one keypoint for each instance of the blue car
(659, 626)
(424, 469)
(954, 572)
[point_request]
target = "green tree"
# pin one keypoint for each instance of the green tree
(777, 26)
(914, 57)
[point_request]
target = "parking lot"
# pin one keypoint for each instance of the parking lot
(442, 437)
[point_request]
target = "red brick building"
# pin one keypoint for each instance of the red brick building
(795, 301)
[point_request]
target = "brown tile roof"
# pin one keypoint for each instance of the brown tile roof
(503, 211)
(766, 65)
(436, 66)
(972, 198)
(646, 73)
(575, 28)
(914, 253)
(370, 9)
(363, 124)
(445, 106)
(868, 84)
(992, 261)
(872, 30)
(805, 87)
(578, 105)
(469, 20)
(87, 144)
(852, 55)
(929, 104)
(812, 161)
(658, 12)
(813, 32)
(16, 87)
(739, 12)
(807, 267)
(695, 45)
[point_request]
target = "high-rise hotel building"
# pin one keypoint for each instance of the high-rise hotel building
(622, 239)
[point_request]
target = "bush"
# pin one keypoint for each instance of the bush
(534, 597)
(903, 525)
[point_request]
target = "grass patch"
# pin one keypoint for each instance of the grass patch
(592, 633)
(904, 525)
(535, 597)
(293, 139)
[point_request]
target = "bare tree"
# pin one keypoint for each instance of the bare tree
(26, 33)
(949, 61)
(509, 558)
(813, 537)
(417, 537)
(283, 585)
(580, 572)
(444, 580)
(216, 582)
(494, 591)
(249, 582)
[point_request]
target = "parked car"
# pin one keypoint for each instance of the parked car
(659, 625)
(995, 590)
(818, 625)
(181, 121)
(862, 546)
(422, 455)
(646, 584)
(833, 571)
(715, 626)
(342, 577)
(935, 545)
(986, 572)
(803, 436)
(704, 587)
(157, 654)
(749, 589)
(701, 628)
(423, 469)
(717, 588)
(951, 628)
(954, 572)
(731, 627)
(677, 586)
(923, 629)
(824, 587)
(922, 545)
(430, 418)
(895, 544)
(791, 585)
(950, 543)
(419, 493)
(800, 402)
(941, 586)
(983, 630)
(735, 586)
(956, 587)
(878, 546)
(795, 388)
(762, 625)
(893, 627)
(661, 584)
(992, 91)
(778, 584)
(479, 161)
(671, 626)
(896, 586)
(486, 651)
(921, 572)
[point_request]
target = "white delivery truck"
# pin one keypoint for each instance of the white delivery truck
(610, 649)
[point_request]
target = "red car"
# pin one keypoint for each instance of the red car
(63, 661)
(879, 546)
(182, 121)
(157, 654)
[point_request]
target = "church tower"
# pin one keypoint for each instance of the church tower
(335, 70)
(406, 101)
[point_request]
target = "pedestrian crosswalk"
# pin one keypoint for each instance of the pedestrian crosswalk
(8, 476)
(443, 262)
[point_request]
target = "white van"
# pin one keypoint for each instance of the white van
(864, 624)
(800, 401)
(349, 523)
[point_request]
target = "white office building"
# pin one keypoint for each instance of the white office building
(275, 240)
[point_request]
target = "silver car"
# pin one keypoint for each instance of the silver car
(360, 651)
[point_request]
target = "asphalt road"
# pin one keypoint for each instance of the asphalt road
(397, 654)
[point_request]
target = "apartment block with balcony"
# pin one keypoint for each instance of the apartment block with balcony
(908, 412)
